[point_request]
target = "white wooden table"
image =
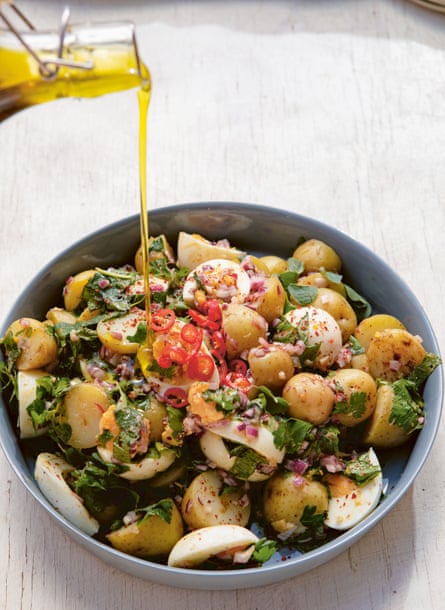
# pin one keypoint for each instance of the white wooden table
(334, 109)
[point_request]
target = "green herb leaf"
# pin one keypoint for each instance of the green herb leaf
(355, 406)
(264, 550)
(313, 521)
(140, 334)
(361, 470)
(423, 370)
(291, 434)
(407, 406)
(246, 462)
(355, 345)
(303, 295)
(162, 509)
(276, 405)
(226, 399)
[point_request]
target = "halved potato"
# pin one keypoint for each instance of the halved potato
(193, 249)
(149, 537)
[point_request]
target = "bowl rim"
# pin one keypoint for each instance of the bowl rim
(247, 577)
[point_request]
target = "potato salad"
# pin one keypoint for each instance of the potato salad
(244, 414)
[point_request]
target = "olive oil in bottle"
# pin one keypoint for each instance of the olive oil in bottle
(94, 60)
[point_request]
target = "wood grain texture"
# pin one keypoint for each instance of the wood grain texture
(330, 108)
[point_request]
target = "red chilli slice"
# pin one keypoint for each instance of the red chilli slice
(191, 335)
(200, 367)
(237, 381)
(238, 366)
(163, 320)
(175, 397)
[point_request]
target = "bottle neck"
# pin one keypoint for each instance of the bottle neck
(95, 60)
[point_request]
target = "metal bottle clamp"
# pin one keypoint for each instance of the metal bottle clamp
(48, 68)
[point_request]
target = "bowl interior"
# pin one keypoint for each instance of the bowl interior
(259, 230)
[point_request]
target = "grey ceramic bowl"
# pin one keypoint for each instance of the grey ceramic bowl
(258, 229)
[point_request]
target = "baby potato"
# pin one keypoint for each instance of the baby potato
(393, 353)
(380, 432)
(36, 342)
(274, 264)
(357, 390)
(57, 315)
(243, 327)
(116, 333)
(204, 505)
(271, 301)
(309, 397)
(73, 289)
(84, 405)
(376, 323)
(257, 263)
(339, 308)
(317, 279)
(285, 498)
(270, 365)
(150, 537)
(316, 254)
(360, 361)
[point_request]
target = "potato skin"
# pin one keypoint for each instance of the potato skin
(316, 254)
(317, 279)
(204, 505)
(84, 405)
(339, 308)
(376, 323)
(393, 353)
(152, 537)
(275, 264)
(309, 397)
(37, 345)
(350, 381)
(72, 291)
(379, 431)
(270, 365)
(270, 304)
(286, 496)
(243, 327)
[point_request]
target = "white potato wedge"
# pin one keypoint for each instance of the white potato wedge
(257, 437)
(201, 544)
(26, 393)
(50, 472)
(215, 450)
(147, 468)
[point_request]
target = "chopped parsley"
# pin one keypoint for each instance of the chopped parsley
(355, 405)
